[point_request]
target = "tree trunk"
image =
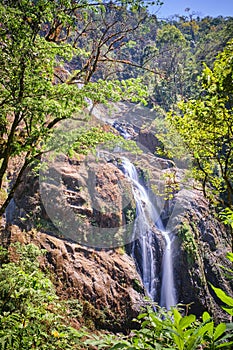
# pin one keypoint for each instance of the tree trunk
(16, 184)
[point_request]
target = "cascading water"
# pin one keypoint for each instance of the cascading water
(168, 295)
(142, 229)
(144, 236)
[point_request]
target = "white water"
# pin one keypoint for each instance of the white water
(168, 297)
(146, 218)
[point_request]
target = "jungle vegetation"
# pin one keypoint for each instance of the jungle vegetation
(55, 56)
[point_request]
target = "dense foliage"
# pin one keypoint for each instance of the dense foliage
(170, 330)
(58, 56)
(206, 127)
(31, 316)
(40, 84)
(56, 59)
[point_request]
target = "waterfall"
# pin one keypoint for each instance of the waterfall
(168, 297)
(143, 240)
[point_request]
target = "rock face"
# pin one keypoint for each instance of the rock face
(105, 282)
(147, 139)
(201, 247)
(91, 203)
(100, 197)
(200, 242)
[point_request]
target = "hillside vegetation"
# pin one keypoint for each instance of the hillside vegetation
(59, 59)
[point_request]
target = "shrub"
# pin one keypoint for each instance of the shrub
(30, 312)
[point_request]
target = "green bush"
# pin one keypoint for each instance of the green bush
(30, 312)
(32, 317)
(163, 329)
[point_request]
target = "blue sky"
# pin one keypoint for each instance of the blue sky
(203, 8)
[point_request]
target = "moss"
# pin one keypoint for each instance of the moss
(120, 250)
(93, 318)
(188, 243)
(137, 285)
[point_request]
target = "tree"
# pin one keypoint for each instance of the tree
(178, 50)
(206, 128)
(172, 61)
(38, 84)
(213, 35)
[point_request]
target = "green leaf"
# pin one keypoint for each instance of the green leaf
(186, 321)
(193, 342)
(219, 330)
(230, 256)
(206, 328)
(177, 316)
(121, 346)
(223, 296)
(225, 345)
(206, 316)
(228, 310)
(229, 326)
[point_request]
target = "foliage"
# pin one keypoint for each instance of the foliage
(75, 139)
(30, 312)
(226, 215)
(162, 329)
(130, 215)
(188, 243)
(56, 56)
(178, 64)
(39, 86)
(205, 126)
(226, 299)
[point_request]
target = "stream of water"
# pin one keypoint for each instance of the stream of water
(168, 294)
(143, 243)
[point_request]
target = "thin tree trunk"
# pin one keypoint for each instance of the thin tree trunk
(16, 184)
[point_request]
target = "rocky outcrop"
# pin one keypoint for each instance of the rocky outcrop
(88, 202)
(91, 203)
(132, 121)
(144, 137)
(200, 241)
(94, 203)
(105, 282)
(147, 139)
(202, 245)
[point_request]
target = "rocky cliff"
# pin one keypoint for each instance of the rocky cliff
(201, 242)
(105, 283)
(83, 213)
